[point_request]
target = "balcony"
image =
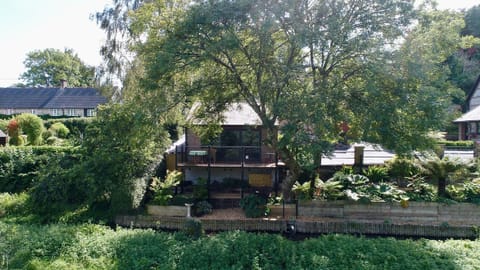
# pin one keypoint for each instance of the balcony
(225, 156)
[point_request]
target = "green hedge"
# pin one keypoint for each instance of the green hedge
(20, 166)
(462, 144)
(76, 126)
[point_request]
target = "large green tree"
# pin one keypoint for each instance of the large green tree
(310, 65)
(48, 67)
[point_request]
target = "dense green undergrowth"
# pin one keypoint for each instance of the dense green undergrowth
(91, 246)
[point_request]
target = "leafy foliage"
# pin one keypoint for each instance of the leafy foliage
(124, 144)
(48, 67)
(91, 246)
(32, 126)
(200, 191)
(61, 182)
(440, 170)
(60, 130)
(20, 167)
(253, 205)
(203, 208)
(193, 228)
(376, 174)
(163, 190)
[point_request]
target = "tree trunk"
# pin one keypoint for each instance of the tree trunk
(442, 186)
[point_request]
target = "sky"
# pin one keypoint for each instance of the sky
(29, 25)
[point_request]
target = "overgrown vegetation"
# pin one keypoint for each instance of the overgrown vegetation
(91, 246)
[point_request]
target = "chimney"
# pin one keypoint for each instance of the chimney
(63, 83)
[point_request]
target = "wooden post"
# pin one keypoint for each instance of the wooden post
(276, 174)
(243, 163)
(209, 171)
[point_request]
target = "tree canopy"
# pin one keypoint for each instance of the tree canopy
(314, 66)
(48, 67)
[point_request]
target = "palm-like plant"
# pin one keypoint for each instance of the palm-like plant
(440, 170)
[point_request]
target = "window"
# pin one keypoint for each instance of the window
(230, 140)
(55, 112)
(70, 112)
(91, 112)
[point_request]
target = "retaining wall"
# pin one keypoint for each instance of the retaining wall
(415, 212)
(460, 220)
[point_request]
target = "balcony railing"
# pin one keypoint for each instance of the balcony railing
(223, 155)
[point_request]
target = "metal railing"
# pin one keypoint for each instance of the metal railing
(223, 154)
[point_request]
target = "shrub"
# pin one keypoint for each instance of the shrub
(77, 126)
(460, 144)
(163, 192)
(20, 166)
(203, 208)
(200, 191)
(419, 190)
(13, 129)
(376, 174)
(61, 182)
(3, 125)
(193, 228)
(59, 130)
(401, 168)
(253, 205)
(302, 191)
(124, 145)
(32, 126)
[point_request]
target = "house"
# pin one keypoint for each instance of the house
(60, 101)
(239, 153)
(469, 123)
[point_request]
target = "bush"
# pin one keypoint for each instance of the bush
(20, 166)
(77, 126)
(203, 208)
(400, 169)
(163, 190)
(3, 125)
(124, 145)
(200, 191)
(193, 228)
(32, 126)
(253, 205)
(60, 130)
(460, 144)
(376, 174)
(61, 182)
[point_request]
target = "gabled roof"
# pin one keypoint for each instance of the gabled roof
(237, 114)
(472, 92)
(471, 116)
(48, 98)
(2, 135)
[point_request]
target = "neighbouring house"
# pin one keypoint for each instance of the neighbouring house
(239, 154)
(469, 123)
(59, 101)
(3, 138)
